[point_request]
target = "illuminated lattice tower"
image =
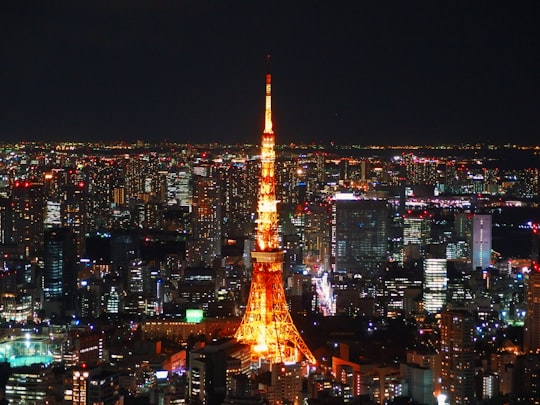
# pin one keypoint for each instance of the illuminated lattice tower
(267, 325)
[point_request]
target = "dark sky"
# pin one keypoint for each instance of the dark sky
(377, 72)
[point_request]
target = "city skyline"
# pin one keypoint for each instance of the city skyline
(133, 272)
(349, 73)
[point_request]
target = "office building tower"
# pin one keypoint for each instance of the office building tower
(420, 383)
(359, 234)
(92, 386)
(400, 295)
(74, 208)
(28, 209)
(213, 368)
(6, 221)
(435, 284)
(535, 246)
(199, 287)
(286, 384)
(317, 235)
(205, 245)
(481, 241)
(178, 183)
(30, 385)
(287, 191)
(416, 229)
(239, 199)
(490, 386)
(531, 342)
(463, 226)
(416, 234)
(424, 357)
(267, 326)
(420, 170)
(59, 274)
(457, 357)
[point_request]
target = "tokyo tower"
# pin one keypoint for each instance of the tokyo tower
(267, 326)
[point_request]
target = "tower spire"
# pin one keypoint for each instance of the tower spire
(268, 106)
(268, 99)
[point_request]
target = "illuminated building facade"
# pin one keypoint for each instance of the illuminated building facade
(416, 229)
(16, 307)
(207, 216)
(435, 284)
(239, 197)
(6, 221)
(359, 234)
(95, 386)
(59, 275)
(28, 208)
(30, 385)
(267, 326)
(179, 331)
(457, 357)
(74, 210)
(481, 241)
(531, 342)
(213, 367)
(421, 170)
(286, 384)
(535, 246)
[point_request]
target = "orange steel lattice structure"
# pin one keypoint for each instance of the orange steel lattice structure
(267, 325)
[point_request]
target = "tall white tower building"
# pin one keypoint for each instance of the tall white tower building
(481, 241)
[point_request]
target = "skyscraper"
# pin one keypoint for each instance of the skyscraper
(359, 234)
(267, 326)
(457, 357)
(531, 342)
(28, 207)
(481, 241)
(435, 284)
(59, 275)
(207, 217)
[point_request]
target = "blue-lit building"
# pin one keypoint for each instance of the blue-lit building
(59, 273)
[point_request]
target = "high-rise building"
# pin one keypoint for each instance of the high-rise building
(6, 221)
(73, 210)
(30, 385)
(481, 241)
(463, 226)
(286, 384)
(28, 206)
(435, 284)
(457, 357)
(239, 199)
(416, 229)
(420, 383)
(420, 170)
(59, 274)
(416, 234)
(213, 367)
(359, 234)
(92, 386)
(205, 245)
(267, 326)
(531, 342)
(535, 246)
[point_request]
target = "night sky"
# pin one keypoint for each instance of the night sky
(351, 72)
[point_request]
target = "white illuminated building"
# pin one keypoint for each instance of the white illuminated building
(481, 241)
(435, 284)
